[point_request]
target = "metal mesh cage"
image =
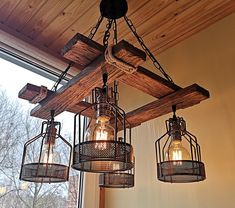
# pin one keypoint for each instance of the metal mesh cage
(181, 171)
(178, 154)
(39, 172)
(116, 180)
(116, 156)
(104, 152)
(41, 163)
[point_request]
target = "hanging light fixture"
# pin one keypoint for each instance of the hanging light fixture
(118, 179)
(178, 154)
(48, 165)
(104, 145)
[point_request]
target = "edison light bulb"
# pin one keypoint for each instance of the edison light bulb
(50, 155)
(177, 152)
(102, 132)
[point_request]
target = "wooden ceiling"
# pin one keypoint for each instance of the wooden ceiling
(50, 24)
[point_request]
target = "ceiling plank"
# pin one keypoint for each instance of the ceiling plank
(182, 98)
(81, 85)
(6, 8)
(44, 17)
(23, 12)
(198, 22)
(65, 19)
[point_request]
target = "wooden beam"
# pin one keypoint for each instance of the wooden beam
(182, 98)
(81, 106)
(148, 82)
(30, 91)
(82, 50)
(81, 85)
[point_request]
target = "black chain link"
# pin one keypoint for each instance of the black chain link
(147, 51)
(95, 28)
(107, 33)
(115, 40)
(61, 77)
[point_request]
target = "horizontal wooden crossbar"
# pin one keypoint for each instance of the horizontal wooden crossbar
(182, 98)
(89, 54)
(90, 77)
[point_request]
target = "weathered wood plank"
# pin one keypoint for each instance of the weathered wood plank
(148, 82)
(30, 91)
(182, 98)
(82, 50)
(81, 106)
(81, 85)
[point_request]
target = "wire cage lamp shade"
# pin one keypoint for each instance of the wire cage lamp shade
(118, 179)
(103, 144)
(178, 154)
(43, 161)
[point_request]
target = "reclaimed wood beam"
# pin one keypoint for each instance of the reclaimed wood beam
(30, 91)
(182, 98)
(143, 79)
(149, 82)
(82, 50)
(81, 85)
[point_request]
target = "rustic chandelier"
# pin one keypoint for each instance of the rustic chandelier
(178, 154)
(102, 130)
(48, 166)
(105, 144)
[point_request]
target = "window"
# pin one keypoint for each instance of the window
(16, 127)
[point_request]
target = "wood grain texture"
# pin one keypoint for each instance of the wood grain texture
(6, 8)
(81, 85)
(30, 91)
(45, 15)
(65, 19)
(182, 98)
(82, 50)
(149, 82)
(23, 12)
(161, 23)
(78, 107)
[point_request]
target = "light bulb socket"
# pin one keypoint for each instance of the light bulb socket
(51, 135)
(176, 127)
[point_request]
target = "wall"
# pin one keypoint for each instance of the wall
(207, 58)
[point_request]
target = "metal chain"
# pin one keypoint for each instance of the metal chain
(107, 33)
(147, 51)
(115, 40)
(95, 28)
(62, 75)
